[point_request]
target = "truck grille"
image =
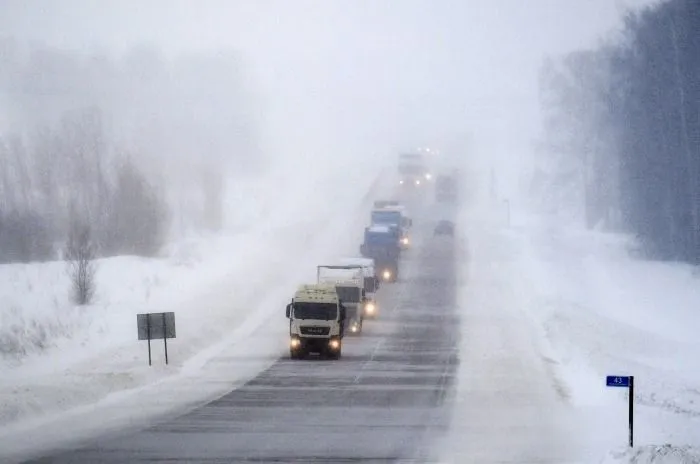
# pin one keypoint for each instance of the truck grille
(315, 330)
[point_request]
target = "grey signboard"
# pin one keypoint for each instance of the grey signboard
(156, 326)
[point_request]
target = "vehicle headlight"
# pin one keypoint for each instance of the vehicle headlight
(404, 240)
(294, 342)
(428, 176)
(417, 181)
(353, 328)
(401, 182)
(370, 307)
(386, 274)
(335, 344)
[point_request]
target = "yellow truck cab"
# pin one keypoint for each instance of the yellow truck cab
(316, 321)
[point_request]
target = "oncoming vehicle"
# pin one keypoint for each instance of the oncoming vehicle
(371, 284)
(381, 244)
(444, 227)
(413, 170)
(349, 284)
(393, 216)
(316, 322)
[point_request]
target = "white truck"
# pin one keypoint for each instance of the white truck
(371, 283)
(349, 284)
(316, 322)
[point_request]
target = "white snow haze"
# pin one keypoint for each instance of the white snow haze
(248, 135)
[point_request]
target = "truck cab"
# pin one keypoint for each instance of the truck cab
(393, 216)
(316, 322)
(371, 284)
(413, 170)
(381, 243)
(349, 284)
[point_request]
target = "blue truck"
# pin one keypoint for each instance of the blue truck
(382, 244)
(393, 216)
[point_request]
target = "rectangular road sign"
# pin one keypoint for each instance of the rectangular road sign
(617, 381)
(154, 326)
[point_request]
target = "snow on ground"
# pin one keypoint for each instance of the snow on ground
(548, 312)
(87, 373)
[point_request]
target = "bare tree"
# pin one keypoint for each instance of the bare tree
(80, 256)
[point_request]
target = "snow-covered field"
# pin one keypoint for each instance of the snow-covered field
(82, 369)
(548, 312)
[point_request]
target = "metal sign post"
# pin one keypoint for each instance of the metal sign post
(148, 329)
(625, 382)
(153, 326)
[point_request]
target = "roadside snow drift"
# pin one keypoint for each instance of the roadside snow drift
(548, 312)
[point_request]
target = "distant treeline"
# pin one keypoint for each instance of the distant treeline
(622, 132)
(125, 145)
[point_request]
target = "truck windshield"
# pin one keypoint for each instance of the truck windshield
(349, 294)
(378, 238)
(411, 170)
(386, 217)
(318, 311)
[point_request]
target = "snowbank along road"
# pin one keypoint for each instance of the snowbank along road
(386, 400)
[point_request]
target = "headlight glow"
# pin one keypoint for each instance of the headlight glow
(417, 181)
(294, 342)
(401, 182)
(428, 176)
(335, 344)
(404, 240)
(370, 307)
(386, 274)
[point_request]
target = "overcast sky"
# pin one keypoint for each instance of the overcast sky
(389, 72)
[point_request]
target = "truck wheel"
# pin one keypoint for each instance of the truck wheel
(299, 353)
(334, 355)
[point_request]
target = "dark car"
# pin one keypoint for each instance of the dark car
(445, 228)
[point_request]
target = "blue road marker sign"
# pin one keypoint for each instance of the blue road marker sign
(617, 381)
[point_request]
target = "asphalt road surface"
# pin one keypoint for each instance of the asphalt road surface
(385, 400)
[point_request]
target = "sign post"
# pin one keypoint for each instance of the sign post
(154, 326)
(622, 381)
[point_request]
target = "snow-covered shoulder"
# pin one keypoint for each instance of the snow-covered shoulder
(547, 313)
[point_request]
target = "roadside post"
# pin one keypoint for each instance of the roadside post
(621, 381)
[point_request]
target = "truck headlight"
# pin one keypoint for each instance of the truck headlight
(353, 328)
(294, 342)
(404, 240)
(386, 274)
(417, 181)
(401, 182)
(428, 176)
(370, 308)
(334, 344)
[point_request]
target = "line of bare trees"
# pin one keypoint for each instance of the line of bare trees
(101, 155)
(622, 135)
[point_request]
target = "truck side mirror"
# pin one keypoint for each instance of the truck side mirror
(289, 310)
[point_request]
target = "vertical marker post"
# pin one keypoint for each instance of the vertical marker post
(631, 410)
(625, 382)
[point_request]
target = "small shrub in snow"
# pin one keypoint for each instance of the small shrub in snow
(80, 255)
